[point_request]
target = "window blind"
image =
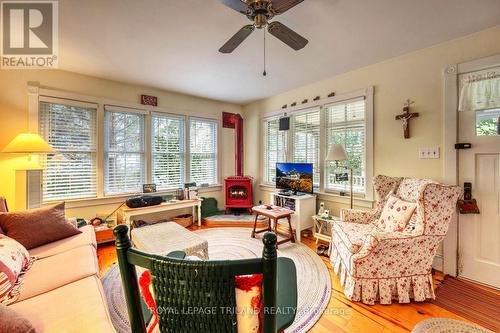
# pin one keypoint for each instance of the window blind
(275, 148)
(305, 134)
(123, 152)
(167, 152)
(203, 151)
(345, 124)
(71, 130)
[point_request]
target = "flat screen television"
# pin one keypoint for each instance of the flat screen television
(296, 177)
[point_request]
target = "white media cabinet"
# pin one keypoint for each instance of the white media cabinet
(304, 207)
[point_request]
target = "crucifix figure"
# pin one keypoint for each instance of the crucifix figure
(406, 116)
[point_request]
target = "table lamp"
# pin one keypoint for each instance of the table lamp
(337, 153)
(28, 143)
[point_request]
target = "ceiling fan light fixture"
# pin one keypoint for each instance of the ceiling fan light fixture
(260, 12)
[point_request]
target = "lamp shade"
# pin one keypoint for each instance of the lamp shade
(336, 153)
(28, 143)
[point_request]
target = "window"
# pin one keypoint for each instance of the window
(123, 151)
(167, 153)
(275, 149)
(70, 129)
(306, 128)
(345, 124)
(203, 151)
(488, 122)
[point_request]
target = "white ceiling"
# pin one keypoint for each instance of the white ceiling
(173, 45)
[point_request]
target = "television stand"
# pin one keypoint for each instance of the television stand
(303, 205)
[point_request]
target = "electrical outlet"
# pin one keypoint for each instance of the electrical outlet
(429, 153)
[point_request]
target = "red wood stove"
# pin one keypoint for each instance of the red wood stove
(238, 188)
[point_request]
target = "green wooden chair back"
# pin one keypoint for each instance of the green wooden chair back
(198, 296)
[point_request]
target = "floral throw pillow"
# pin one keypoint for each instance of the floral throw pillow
(14, 262)
(396, 214)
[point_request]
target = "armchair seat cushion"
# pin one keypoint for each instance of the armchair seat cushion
(352, 235)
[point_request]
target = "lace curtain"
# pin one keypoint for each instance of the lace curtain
(480, 92)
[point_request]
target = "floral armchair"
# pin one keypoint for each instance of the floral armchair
(376, 265)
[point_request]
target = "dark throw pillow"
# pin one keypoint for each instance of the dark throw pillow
(37, 227)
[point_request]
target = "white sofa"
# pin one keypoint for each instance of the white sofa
(62, 291)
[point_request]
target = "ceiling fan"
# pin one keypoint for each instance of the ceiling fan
(260, 12)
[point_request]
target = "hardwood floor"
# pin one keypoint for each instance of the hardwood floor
(341, 314)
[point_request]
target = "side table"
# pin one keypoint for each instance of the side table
(323, 227)
(274, 214)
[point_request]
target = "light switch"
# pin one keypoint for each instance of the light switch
(429, 153)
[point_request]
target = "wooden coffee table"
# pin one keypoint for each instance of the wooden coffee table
(274, 214)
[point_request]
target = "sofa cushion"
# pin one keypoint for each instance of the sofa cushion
(87, 237)
(39, 226)
(53, 272)
(13, 321)
(78, 307)
(352, 235)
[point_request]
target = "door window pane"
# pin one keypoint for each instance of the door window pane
(488, 122)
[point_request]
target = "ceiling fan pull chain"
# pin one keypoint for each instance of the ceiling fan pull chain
(264, 73)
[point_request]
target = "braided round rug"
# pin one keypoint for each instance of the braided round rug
(313, 279)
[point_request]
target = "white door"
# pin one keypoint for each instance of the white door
(479, 235)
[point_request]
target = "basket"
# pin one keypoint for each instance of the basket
(185, 220)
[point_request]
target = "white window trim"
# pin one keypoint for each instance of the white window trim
(367, 93)
(36, 93)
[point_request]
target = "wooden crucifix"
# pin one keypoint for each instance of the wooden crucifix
(406, 116)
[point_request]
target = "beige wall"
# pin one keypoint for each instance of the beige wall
(14, 117)
(417, 76)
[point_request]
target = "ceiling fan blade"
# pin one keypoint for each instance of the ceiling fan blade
(287, 35)
(281, 6)
(237, 39)
(238, 5)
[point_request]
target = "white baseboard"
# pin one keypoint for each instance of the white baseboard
(437, 263)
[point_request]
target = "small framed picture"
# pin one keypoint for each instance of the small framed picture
(149, 188)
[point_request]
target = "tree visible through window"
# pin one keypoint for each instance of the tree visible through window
(275, 148)
(167, 151)
(488, 122)
(306, 131)
(203, 151)
(124, 152)
(71, 172)
(345, 125)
